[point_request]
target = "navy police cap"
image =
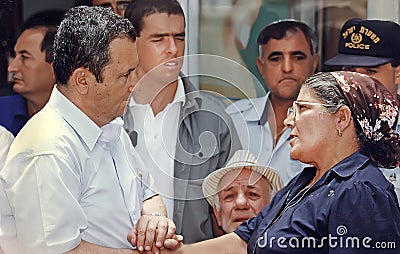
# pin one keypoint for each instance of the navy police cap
(367, 43)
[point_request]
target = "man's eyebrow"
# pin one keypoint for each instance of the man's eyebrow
(24, 51)
(228, 189)
(158, 35)
(298, 52)
(275, 53)
(127, 71)
(279, 53)
(251, 187)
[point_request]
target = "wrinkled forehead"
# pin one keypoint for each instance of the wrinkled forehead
(239, 176)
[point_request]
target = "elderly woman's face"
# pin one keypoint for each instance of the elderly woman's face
(313, 128)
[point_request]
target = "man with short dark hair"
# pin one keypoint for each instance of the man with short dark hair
(288, 55)
(31, 70)
(371, 47)
(180, 134)
(73, 180)
(117, 6)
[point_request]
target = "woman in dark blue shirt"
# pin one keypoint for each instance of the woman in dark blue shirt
(342, 125)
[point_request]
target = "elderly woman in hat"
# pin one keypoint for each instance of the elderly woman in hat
(342, 125)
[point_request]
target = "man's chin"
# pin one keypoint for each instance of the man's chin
(18, 87)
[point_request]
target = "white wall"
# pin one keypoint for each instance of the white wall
(384, 9)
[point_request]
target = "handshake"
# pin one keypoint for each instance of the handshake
(155, 233)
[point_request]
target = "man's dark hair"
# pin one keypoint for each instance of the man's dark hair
(82, 2)
(49, 20)
(279, 29)
(139, 9)
(83, 40)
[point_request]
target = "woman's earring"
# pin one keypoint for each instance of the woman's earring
(339, 133)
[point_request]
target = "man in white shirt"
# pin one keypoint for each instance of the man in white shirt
(287, 57)
(6, 138)
(72, 178)
(180, 135)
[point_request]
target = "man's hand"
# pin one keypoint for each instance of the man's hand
(151, 231)
(174, 242)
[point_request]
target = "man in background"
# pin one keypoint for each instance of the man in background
(287, 57)
(116, 6)
(31, 69)
(240, 190)
(180, 134)
(371, 47)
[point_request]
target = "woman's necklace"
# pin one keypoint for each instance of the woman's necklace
(295, 200)
(290, 202)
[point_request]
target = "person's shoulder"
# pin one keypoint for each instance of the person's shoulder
(45, 131)
(11, 99)
(6, 137)
(13, 102)
(366, 181)
(250, 108)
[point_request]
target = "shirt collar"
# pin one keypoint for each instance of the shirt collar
(350, 165)
(264, 114)
(179, 95)
(180, 92)
(79, 121)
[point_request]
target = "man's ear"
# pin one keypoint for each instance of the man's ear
(315, 62)
(80, 79)
(216, 213)
(260, 67)
(343, 118)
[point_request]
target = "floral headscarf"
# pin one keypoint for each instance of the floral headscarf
(376, 112)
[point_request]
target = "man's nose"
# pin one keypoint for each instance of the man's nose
(172, 47)
(241, 201)
(13, 66)
(287, 65)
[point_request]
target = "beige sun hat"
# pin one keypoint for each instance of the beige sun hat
(240, 159)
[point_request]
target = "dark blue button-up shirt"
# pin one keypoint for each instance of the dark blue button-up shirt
(13, 113)
(351, 209)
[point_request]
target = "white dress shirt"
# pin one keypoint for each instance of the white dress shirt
(257, 137)
(69, 180)
(156, 143)
(6, 138)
